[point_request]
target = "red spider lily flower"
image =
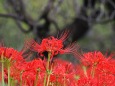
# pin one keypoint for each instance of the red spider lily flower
(62, 73)
(10, 53)
(97, 70)
(99, 61)
(93, 58)
(10, 57)
(54, 46)
(29, 71)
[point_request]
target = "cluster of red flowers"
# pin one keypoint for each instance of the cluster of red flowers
(97, 70)
(94, 68)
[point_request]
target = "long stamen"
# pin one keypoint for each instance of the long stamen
(73, 49)
(32, 45)
(64, 35)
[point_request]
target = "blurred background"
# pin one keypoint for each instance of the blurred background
(91, 22)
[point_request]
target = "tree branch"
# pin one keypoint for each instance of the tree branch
(11, 16)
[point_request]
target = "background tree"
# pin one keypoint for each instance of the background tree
(41, 18)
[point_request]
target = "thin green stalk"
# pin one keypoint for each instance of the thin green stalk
(49, 76)
(8, 75)
(48, 62)
(38, 70)
(45, 79)
(64, 80)
(47, 69)
(52, 84)
(56, 80)
(2, 59)
(48, 79)
(85, 71)
(21, 78)
(93, 71)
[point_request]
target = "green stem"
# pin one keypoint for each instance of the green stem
(45, 79)
(85, 71)
(49, 76)
(2, 70)
(47, 70)
(93, 71)
(8, 75)
(64, 80)
(21, 78)
(48, 62)
(52, 84)
(38, 70)
(48, 79)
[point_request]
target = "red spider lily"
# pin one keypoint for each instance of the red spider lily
(8, 57)
(10, 53)
(29, 71)
(62, 73)
(93, 58)
(99, 61)
(54, 46)
(97, 70)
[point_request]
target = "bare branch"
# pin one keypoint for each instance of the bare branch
(112, 3)
(54, 11)
(106, 20)
(47, 9)
(11, 16)
(19, 9)
(102, 10)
